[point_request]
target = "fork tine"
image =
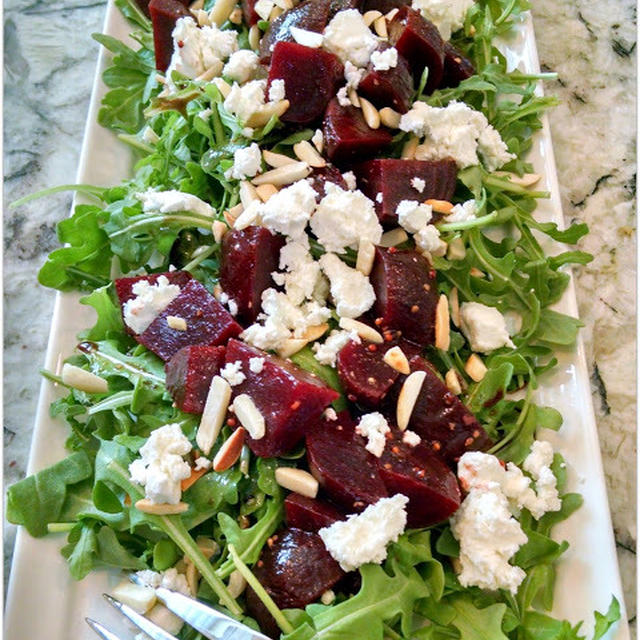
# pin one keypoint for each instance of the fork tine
(150, 628)
(104, 633)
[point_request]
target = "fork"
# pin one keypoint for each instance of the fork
(210, 623)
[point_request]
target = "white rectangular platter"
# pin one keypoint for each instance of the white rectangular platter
(44, 602)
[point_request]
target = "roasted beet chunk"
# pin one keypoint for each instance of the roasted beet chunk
(189, 374)
(419, 41)
(319, 178)
(366, 378)
(389, 88)
(248, 258)
(309, 514)
(164, 15)
(456, 67)
(384, 6)
(347, 136)
(392, 178)
(311, 15)
(249, 12)
(421, 475)
(208, 323)
(406, 294)
(342, 5)
(311, 78)
(290, 399)
(346, 471)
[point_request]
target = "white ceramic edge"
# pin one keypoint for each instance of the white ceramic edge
(39, 570)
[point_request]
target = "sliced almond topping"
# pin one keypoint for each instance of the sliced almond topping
(456, 249)
(264, 113)
(307, 153)
(353, 97)
(453, 382)
(208, 546)
(409, 148)
(454, 306)
(371, 16)
(230, 451)
(219, 228)
(286, 175)
(160, 509)
(284, 4)
(318, 140)
(202, 17)
(290, 346)
(250, 418)
(231, 215)
(223, 87)
(196, 5)
(237, 584)
(221, 11)
(307, 38)
(475, 368)
(139, 597)
(193, 576)
(177, 323)
(297, 480)
(276, 160)
(396, 359)
(392, 14)
(254, 37)
(196, 474)
(248, 193)
(363, 330)
(439, 206)
(525, 180)
(389, 117)
(235, 17)
(217, 291)
(370, 113)
(442, 323)
(276, 12)
(407, 398)
(366, 257)
(315, 332)
(476, 273)
(265, 191)
(328, 597)
(380, 26)
(207, 75)
(214, 413)
(393, 238)
(83, 380)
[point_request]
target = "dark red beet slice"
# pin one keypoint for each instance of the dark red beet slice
(248, 12)
(384, 6)
(365, 377)
(189, 374)
(342, 5)
(422, 476)
(248, 258)
(392, 178)
(419, 41)
(164, 15)
(390, 88)
(311, 78)
(456, 67)
(319, 178)
(346, 471)
(347, 136)
(208, 323)
(290, 399)
(311, 15)
(309, 514)
(406, 294)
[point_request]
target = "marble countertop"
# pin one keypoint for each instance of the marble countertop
(49, 67)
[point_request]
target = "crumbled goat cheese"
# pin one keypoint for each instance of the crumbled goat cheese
(463, 212)
(374, 427)
(343, 98)
(232, 373)
(172, 201)
(538, 465)
(411, 438)
(242, 66)
(199, 49)
(233, 307)
(384, 60)
(317, 139)
(150, 301)
(202, 463)
(247, 161)
(352, 75)
(350, 178)
(169, 579)
(330, 414)
(302, 271)
(428, 239)
(161, 468)
(288, 211)
(364, 537)
(447, 15)
(256, 365)
(307, 38)
(379, 197)
(348, 36)
(351, 290)
(277, 90)
(418, 184)
(245, 100)
(413, 216)
(455, 131)
(344, 219)
(327, 352)
(484, 327)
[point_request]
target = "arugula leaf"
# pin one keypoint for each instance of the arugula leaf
(477, 624)
(109, 319)
(605, 621)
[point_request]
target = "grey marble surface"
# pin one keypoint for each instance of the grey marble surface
(49, 66)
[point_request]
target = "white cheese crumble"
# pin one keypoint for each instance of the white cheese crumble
(169, 579)
(242, 66)
(484, 327)
(330, 414)
(351, 290)
(202, 463)
(150, 301)
(343, 98)
(364, 537)
(256, 365)
(379, 197)
(288, 211)
(317, 138)
(352, 75)
(447, 15)
(463, 212)
(418, 184)
(413, 216)
(232, 373)
(348, 36)
(374, 427)
(302, 271)
(411, 438)
(277, 90)
(172, 201)
(243, 101)
(350, 178)
(428, 239)
(327, 352)
(247, 161)
(307, 38)
(161, 468)
(384, 60)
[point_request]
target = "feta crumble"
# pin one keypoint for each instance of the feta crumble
(463, 212)
(243, 101)
(418, 184)
(374, 427)
(277, 90)
(149, 302)
(317, 138)
(242, 66)
(411, 438)
(413, 216)
(350, 178)
(447, 15)
(169, 579)
(173, 201)
(247, 161)
(484, 327)
(364, 537)
(343, 98)
(351, 290)
(428, 239)
(288, 211)
(384, 60)
(379, 197)
(202, 463)
(327, 352)
(330, 414)
(348, 36)
(301, 270)
(352, 75)
(232, 373)
(256, 365)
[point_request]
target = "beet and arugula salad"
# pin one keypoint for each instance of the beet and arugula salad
(323, 308)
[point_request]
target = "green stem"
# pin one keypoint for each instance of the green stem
(469, 224)
(516, 431)
(506, 13)
(52, 377)
(87, 189)
(147, 219)
(60, 527)
(121, 364)
(390, 633)
(135, 142)
(199, 258)
(120, 399)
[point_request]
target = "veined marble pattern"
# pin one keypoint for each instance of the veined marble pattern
(49, 66)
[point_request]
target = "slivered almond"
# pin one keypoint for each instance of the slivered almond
(389, 117)
(223, 87)
(371, 16)
(454, 306)
(208, 546)
(217, 291)
(307, 153)
(396, 359)
(249, 415)
(248, 193)
(315, 332)
(209, 74)
(353, 97)
(318, 140)
(366, 256)
(202, 17)
(237, 584)
(442, 323)
(297, 480)
(370, 113)
(453, 382)
(380, 26)
(235, 17)
(440, 206)
(177, 323)
(83, 380)
(283, 176)
(265, 191)
(407, 398)
(196, 474)
(221, 11)
(276, 12)
(139, 597)
(214, 413)
(391, 15)
(160, 509)
(306, 38)
(525, 180)
(254, 37)
(476, 273)
(393, 238)
(264, 113)
(328, 597)
(409, 148)
(475, 368)
(230, 450)
(219, 228)
(195, 6)
(192, 575)
(456, 249)
(363, 330)
(290, 346)
(231, 215)
(276, 160)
